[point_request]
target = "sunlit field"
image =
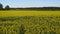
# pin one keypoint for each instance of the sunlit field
(8, 13)
(29, 22)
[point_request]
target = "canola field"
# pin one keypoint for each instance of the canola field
(29, 22)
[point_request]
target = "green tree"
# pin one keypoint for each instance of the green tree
(7, 7)
(22, 29)
(1, 6)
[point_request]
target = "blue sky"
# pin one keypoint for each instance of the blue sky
(31, 3)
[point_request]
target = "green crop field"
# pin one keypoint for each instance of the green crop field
(29, 22)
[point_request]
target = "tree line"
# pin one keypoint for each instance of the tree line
(6, 7)
(30, 8)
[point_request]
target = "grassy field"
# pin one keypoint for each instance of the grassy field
(27, 13)
(29, 22)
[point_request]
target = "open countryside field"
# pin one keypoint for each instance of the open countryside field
(8, 13)
(29, 22)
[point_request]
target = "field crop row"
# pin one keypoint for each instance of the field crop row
(30, 25)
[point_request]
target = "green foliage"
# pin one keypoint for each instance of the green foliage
(30, 25)
(7, 7)
(52, 32)
(1, 6)
(22, 29)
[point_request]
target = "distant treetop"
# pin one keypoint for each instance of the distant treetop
(1, 6)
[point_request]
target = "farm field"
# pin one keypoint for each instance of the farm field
(29, 22)
(8, 13)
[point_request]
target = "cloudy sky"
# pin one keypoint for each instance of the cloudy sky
(31, 3)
